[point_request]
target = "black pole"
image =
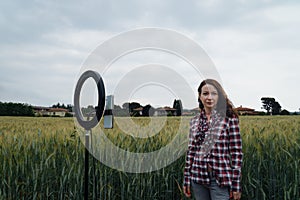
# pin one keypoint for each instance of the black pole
(89, 124)
(86, 167)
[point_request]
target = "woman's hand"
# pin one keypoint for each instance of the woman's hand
(187, 191)
(235, 195)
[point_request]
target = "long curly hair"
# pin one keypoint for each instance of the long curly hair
(224, 105)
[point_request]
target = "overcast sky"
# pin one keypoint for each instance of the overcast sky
(254, 45)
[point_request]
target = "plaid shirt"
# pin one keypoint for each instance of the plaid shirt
(216, 144)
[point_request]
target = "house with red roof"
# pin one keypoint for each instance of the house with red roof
(246, 111)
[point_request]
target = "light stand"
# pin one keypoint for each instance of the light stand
(89, 124)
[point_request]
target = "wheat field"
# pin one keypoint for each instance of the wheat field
(43, 158)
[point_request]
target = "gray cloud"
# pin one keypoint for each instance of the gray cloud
(44, 43)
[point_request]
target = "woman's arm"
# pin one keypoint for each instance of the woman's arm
(235, 150)
(189, 155)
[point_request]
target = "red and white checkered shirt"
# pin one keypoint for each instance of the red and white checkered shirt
(216, 144)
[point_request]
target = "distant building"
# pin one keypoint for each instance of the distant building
(191, 112)
(165, 111)
(61, 112)
(246, 111)
(46, 111)
(39, 110)
(138, 110)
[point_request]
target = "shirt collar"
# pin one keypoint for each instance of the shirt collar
(214, 113)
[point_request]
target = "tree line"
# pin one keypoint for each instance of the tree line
(68, 107)
(135, 109)
(15, 109)
(23, 109)
(129, 108)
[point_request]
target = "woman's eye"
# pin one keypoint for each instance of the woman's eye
(212, 93)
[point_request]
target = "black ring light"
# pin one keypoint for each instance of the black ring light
(101, 99)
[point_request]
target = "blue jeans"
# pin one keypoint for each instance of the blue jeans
(210, 192)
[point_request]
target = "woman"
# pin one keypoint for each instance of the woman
(214, 156)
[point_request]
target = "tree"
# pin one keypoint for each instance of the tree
(276, 108)
(56, 105)
(267, 103)
(88, 111)
(125, 106)
(129, 107)
(178, 106)
(118, 111)
(69, 107)
(148, 111)
(272, 106)
(132, 106)
(284, 112)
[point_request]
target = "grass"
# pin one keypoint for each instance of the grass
(43, 158)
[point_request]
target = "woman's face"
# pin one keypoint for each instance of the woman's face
(209, 96)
